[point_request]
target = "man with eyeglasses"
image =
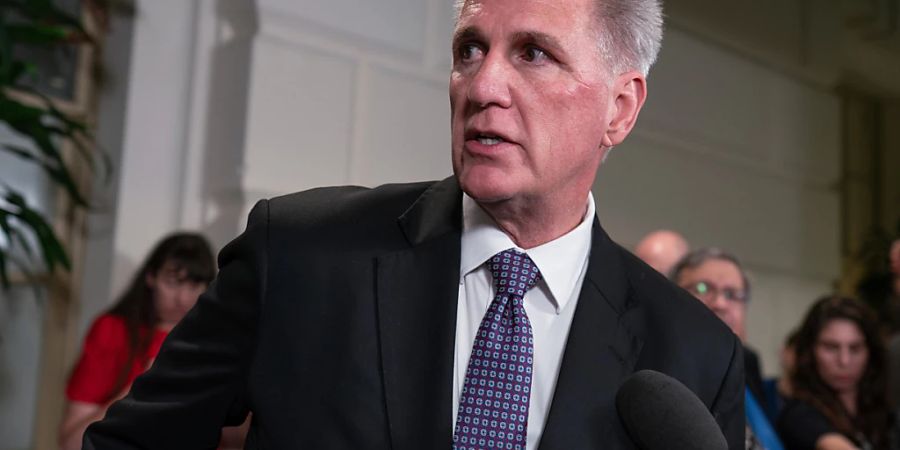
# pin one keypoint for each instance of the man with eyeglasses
(718, 280)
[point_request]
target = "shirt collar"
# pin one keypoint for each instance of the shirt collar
(560, 261)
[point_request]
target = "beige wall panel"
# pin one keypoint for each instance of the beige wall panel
(701, 95)
(804, 133)
(646, 185)
(405, 132)
(441, 19)
(399, 24)
(778, 306)
(709, 99)
(299, 118)
(769, 27)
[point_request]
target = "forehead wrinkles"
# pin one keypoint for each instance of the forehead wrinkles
(563, 14)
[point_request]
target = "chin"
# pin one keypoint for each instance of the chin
(486, 184)
(843, 387)
(484, 191)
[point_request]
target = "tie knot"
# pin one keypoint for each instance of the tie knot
(514, 272)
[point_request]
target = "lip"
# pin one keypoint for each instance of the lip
(472, 133)
(475, 147)
(844, 379)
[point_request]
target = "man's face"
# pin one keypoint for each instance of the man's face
(530, 99)
(719, 285)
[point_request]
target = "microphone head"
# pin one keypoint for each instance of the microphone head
(659, 412)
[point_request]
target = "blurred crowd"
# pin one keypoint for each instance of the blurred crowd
(839, 386)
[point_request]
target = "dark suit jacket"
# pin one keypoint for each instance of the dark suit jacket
(333, 320)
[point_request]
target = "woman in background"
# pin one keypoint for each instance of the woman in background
(839, 382)
(122, 343)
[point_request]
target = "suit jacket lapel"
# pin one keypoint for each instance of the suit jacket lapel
(417, 290)
(600, 351)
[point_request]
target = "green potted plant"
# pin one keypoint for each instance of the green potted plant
(54, 140)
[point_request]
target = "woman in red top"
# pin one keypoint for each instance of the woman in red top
(123, 342)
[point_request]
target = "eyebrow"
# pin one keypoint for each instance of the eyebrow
(541, 39)
(545, 40)
(467, 34)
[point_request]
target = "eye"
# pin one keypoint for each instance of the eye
(830, 347)
(535, 55)
(468, 51)
(734, 295)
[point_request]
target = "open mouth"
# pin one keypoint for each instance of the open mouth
(487, 139)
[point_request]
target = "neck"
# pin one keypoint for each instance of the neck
(530, 222)
(848, 399)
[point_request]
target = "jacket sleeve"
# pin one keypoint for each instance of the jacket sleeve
(198, 381)
(728, 407)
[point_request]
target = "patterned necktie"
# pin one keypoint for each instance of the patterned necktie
(493, 405)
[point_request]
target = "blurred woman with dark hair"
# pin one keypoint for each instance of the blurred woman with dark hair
(122, 343)
(839, 381)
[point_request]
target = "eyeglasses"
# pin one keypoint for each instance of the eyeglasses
(705, 290)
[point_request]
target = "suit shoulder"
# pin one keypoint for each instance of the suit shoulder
(344, 204)
(342, 217)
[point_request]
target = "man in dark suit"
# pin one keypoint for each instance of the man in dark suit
(483, 311)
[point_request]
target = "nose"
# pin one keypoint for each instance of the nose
(490, 83)
(844, 357)
(718, 302)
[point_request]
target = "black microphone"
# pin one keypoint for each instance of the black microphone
(659, 412)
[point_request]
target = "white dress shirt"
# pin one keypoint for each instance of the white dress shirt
(550, 305)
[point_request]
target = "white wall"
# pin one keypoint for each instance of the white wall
(348, 92)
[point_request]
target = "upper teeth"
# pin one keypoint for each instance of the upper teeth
(489, 140)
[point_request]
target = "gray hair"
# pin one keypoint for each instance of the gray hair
(630, 33)
(697, 257)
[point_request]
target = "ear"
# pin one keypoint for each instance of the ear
(628, 91)
(150, 280)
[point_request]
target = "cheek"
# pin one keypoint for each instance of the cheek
(861, 363)
(163, 300)
(822, 363)
(588, 103)
(457, 118)
(457, 90)
(578, 108)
